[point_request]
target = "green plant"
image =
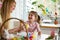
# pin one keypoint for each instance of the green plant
(50, 37)
(39, 6)
(54, 0)
(34, 2)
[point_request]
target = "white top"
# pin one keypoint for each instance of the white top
(12, 24)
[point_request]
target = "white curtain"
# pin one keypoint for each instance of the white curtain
(19, 12)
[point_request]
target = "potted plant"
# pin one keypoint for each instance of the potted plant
(51, 37)
(55, 21)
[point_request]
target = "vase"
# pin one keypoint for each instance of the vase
(55, 22)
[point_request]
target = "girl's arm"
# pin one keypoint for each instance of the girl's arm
(38, 29)
(24, 29)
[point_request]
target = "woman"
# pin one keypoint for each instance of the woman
(7, 7)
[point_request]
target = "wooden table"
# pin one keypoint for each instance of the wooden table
(44, 25)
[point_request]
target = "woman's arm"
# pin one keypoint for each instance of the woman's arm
(12, 31)
(17, 29)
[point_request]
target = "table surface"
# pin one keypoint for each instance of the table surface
(44, 25)
(44, 36)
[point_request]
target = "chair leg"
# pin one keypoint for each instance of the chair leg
(59, 34)
(56, 37)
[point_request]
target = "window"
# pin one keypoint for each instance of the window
(24, 6)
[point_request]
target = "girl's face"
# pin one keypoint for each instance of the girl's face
(31, 17)
(13, 5)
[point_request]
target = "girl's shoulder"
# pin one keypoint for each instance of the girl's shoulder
(37, 24)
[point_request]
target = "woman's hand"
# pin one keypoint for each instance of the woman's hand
(13, 31)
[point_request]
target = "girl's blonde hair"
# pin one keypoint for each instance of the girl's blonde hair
(34, 13)
(5, 10)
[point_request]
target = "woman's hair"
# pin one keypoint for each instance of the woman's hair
(5, 10)
(34, 13)
(1, 0)
(38, 20)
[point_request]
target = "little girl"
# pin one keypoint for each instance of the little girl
(32, 22)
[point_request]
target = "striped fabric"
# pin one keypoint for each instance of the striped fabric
(34, 26)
